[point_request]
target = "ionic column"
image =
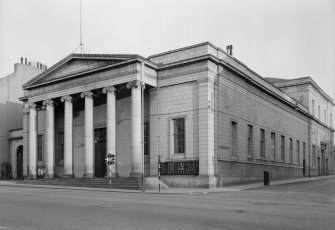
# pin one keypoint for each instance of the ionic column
(89, 134)
(111, 127)
(32, 140)
(68, 136)
(136, 133)
(50, 136)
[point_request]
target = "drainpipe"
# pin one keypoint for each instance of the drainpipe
(216, 112)
(158, 137)
(309, 144)
(142, 123)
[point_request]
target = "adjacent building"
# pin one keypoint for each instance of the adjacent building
(11, 109)
(321, 121)
(196, 114)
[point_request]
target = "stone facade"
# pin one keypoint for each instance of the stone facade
(203, 115)
(321, 131)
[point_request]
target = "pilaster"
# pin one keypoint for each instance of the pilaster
(206, 127)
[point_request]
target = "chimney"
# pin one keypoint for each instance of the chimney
(21, 59)
(25, 61)
(230, 49)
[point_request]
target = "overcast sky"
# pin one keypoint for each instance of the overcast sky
(275, 38)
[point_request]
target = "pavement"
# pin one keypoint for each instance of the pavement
(229, 188)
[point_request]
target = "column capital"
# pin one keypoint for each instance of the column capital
(135, 84)
(67, 98)
(49, 102)
(88, 94)
(109, 89)
(30, 105)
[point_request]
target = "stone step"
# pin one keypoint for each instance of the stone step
(116, 183)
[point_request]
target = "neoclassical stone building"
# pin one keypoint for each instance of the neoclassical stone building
(205, 116)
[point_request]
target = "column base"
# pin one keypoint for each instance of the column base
(50, 176)
(209, 181)
(68, 176)
(32, 176)
(88, 175)
(135, 174)
(112, 175)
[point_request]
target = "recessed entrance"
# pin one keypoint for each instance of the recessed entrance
(19, 162)
(100, 152)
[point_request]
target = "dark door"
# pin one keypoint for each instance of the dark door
(19, 162)
(100, 152)
(319, 167)
(326, 166)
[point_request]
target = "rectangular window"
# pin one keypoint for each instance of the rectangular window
(313, 109)
(298, 152)
(273, 145)
(319, 112)
(146, 138)
(262, 142)
(234, 137)
(331, 120)
(179, 135)
(40, 147)
(290, 150)
(325, 116)
(61, 146)
(250, 140)
(282, 148)
(313, 156)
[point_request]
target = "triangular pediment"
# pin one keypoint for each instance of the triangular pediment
(75, 64)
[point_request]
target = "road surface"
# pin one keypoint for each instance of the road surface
(308, 205)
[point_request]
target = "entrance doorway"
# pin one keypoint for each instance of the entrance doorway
(323, 159)
(19, 162)
(326, 167)
(100, 152)
(319, 167)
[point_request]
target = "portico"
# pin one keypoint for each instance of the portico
(74, 112)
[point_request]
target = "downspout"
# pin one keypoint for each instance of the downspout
(142, 123)
(157, 133)
(216, 112)
(309, 144)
